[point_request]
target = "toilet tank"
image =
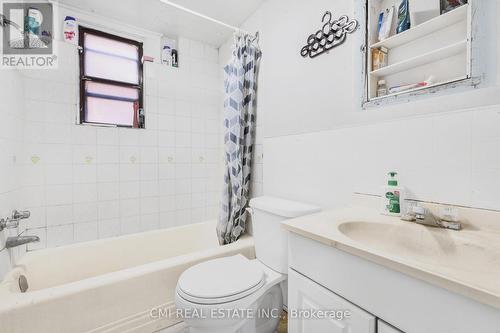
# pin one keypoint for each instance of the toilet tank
(271, 239)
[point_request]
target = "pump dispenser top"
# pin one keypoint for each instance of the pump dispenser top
(392, 181)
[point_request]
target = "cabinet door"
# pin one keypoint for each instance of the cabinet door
(305, 297)
(383, 327)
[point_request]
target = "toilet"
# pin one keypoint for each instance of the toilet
(238, 295)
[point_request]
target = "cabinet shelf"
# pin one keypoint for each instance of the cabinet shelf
(426, 58)
(426, 28)
(414, 90)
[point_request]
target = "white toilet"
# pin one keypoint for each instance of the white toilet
(235, 294)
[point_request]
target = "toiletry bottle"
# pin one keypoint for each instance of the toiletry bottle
(70, 30)
(403, 17)
(142, 118)
(386, 26)
(381, 88)
(175, 58)
(393, 196)
(168, 45)
(379, 58)
(166, 55)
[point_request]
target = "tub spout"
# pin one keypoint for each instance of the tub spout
(20, 240)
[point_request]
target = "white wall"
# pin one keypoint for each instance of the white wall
(448, 158)
(85, 182)
(319, 147)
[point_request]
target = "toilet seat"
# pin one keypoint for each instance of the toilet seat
(243, 298)
(221, 280)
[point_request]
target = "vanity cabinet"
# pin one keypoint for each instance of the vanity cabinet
(307, 297)
(324, 277)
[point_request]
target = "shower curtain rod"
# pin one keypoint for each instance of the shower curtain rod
(208, 18)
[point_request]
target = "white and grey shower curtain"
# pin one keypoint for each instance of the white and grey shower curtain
(240, 105)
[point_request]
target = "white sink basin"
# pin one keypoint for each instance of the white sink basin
(445, 248)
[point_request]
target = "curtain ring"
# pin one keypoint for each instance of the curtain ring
(256, 37)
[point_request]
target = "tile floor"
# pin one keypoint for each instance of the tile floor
(181, 328)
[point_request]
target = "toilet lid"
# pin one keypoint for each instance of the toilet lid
(220, 280)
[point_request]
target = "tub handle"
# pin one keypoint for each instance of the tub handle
(249, 211)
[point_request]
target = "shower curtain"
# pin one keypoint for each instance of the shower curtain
(240, 85)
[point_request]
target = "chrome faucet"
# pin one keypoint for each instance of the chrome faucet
(13, 221)
(423, 216)
(20, 240)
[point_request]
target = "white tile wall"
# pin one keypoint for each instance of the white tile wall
(449, 158)
(11, 137)
(84, 182)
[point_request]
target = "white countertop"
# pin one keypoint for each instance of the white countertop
(466, 262)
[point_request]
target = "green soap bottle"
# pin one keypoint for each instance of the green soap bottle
(393, 196)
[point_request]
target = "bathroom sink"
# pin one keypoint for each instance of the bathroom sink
(433, 246)
(466, 262)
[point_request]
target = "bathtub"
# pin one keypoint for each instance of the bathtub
(110, 285)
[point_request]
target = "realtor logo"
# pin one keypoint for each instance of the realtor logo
(27, 35)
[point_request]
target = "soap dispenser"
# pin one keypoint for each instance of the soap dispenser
(393, 196)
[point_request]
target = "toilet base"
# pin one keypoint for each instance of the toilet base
(266, 317)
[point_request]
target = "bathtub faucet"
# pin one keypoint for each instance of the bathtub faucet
(20, 240)
(13, 221)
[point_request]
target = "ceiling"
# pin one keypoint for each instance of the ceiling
(157, 16)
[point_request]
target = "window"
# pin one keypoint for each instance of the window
(111, 82)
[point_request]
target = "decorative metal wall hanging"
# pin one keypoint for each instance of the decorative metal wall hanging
(333, 34)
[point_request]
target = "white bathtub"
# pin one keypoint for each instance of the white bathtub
(109, 285)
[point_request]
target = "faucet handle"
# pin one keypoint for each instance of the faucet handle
(409, 214)
(420, 212)
(13, 221)
(12, 224)
(8, 223)
(20, 215)
(449, 214)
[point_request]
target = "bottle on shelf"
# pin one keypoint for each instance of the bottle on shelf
(381, 88)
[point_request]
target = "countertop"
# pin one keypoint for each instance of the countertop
(466, 262)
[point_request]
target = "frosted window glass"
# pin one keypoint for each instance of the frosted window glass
(111, 68)
(107, 111)
(111, 91)
(110, 46)
(109, 59)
